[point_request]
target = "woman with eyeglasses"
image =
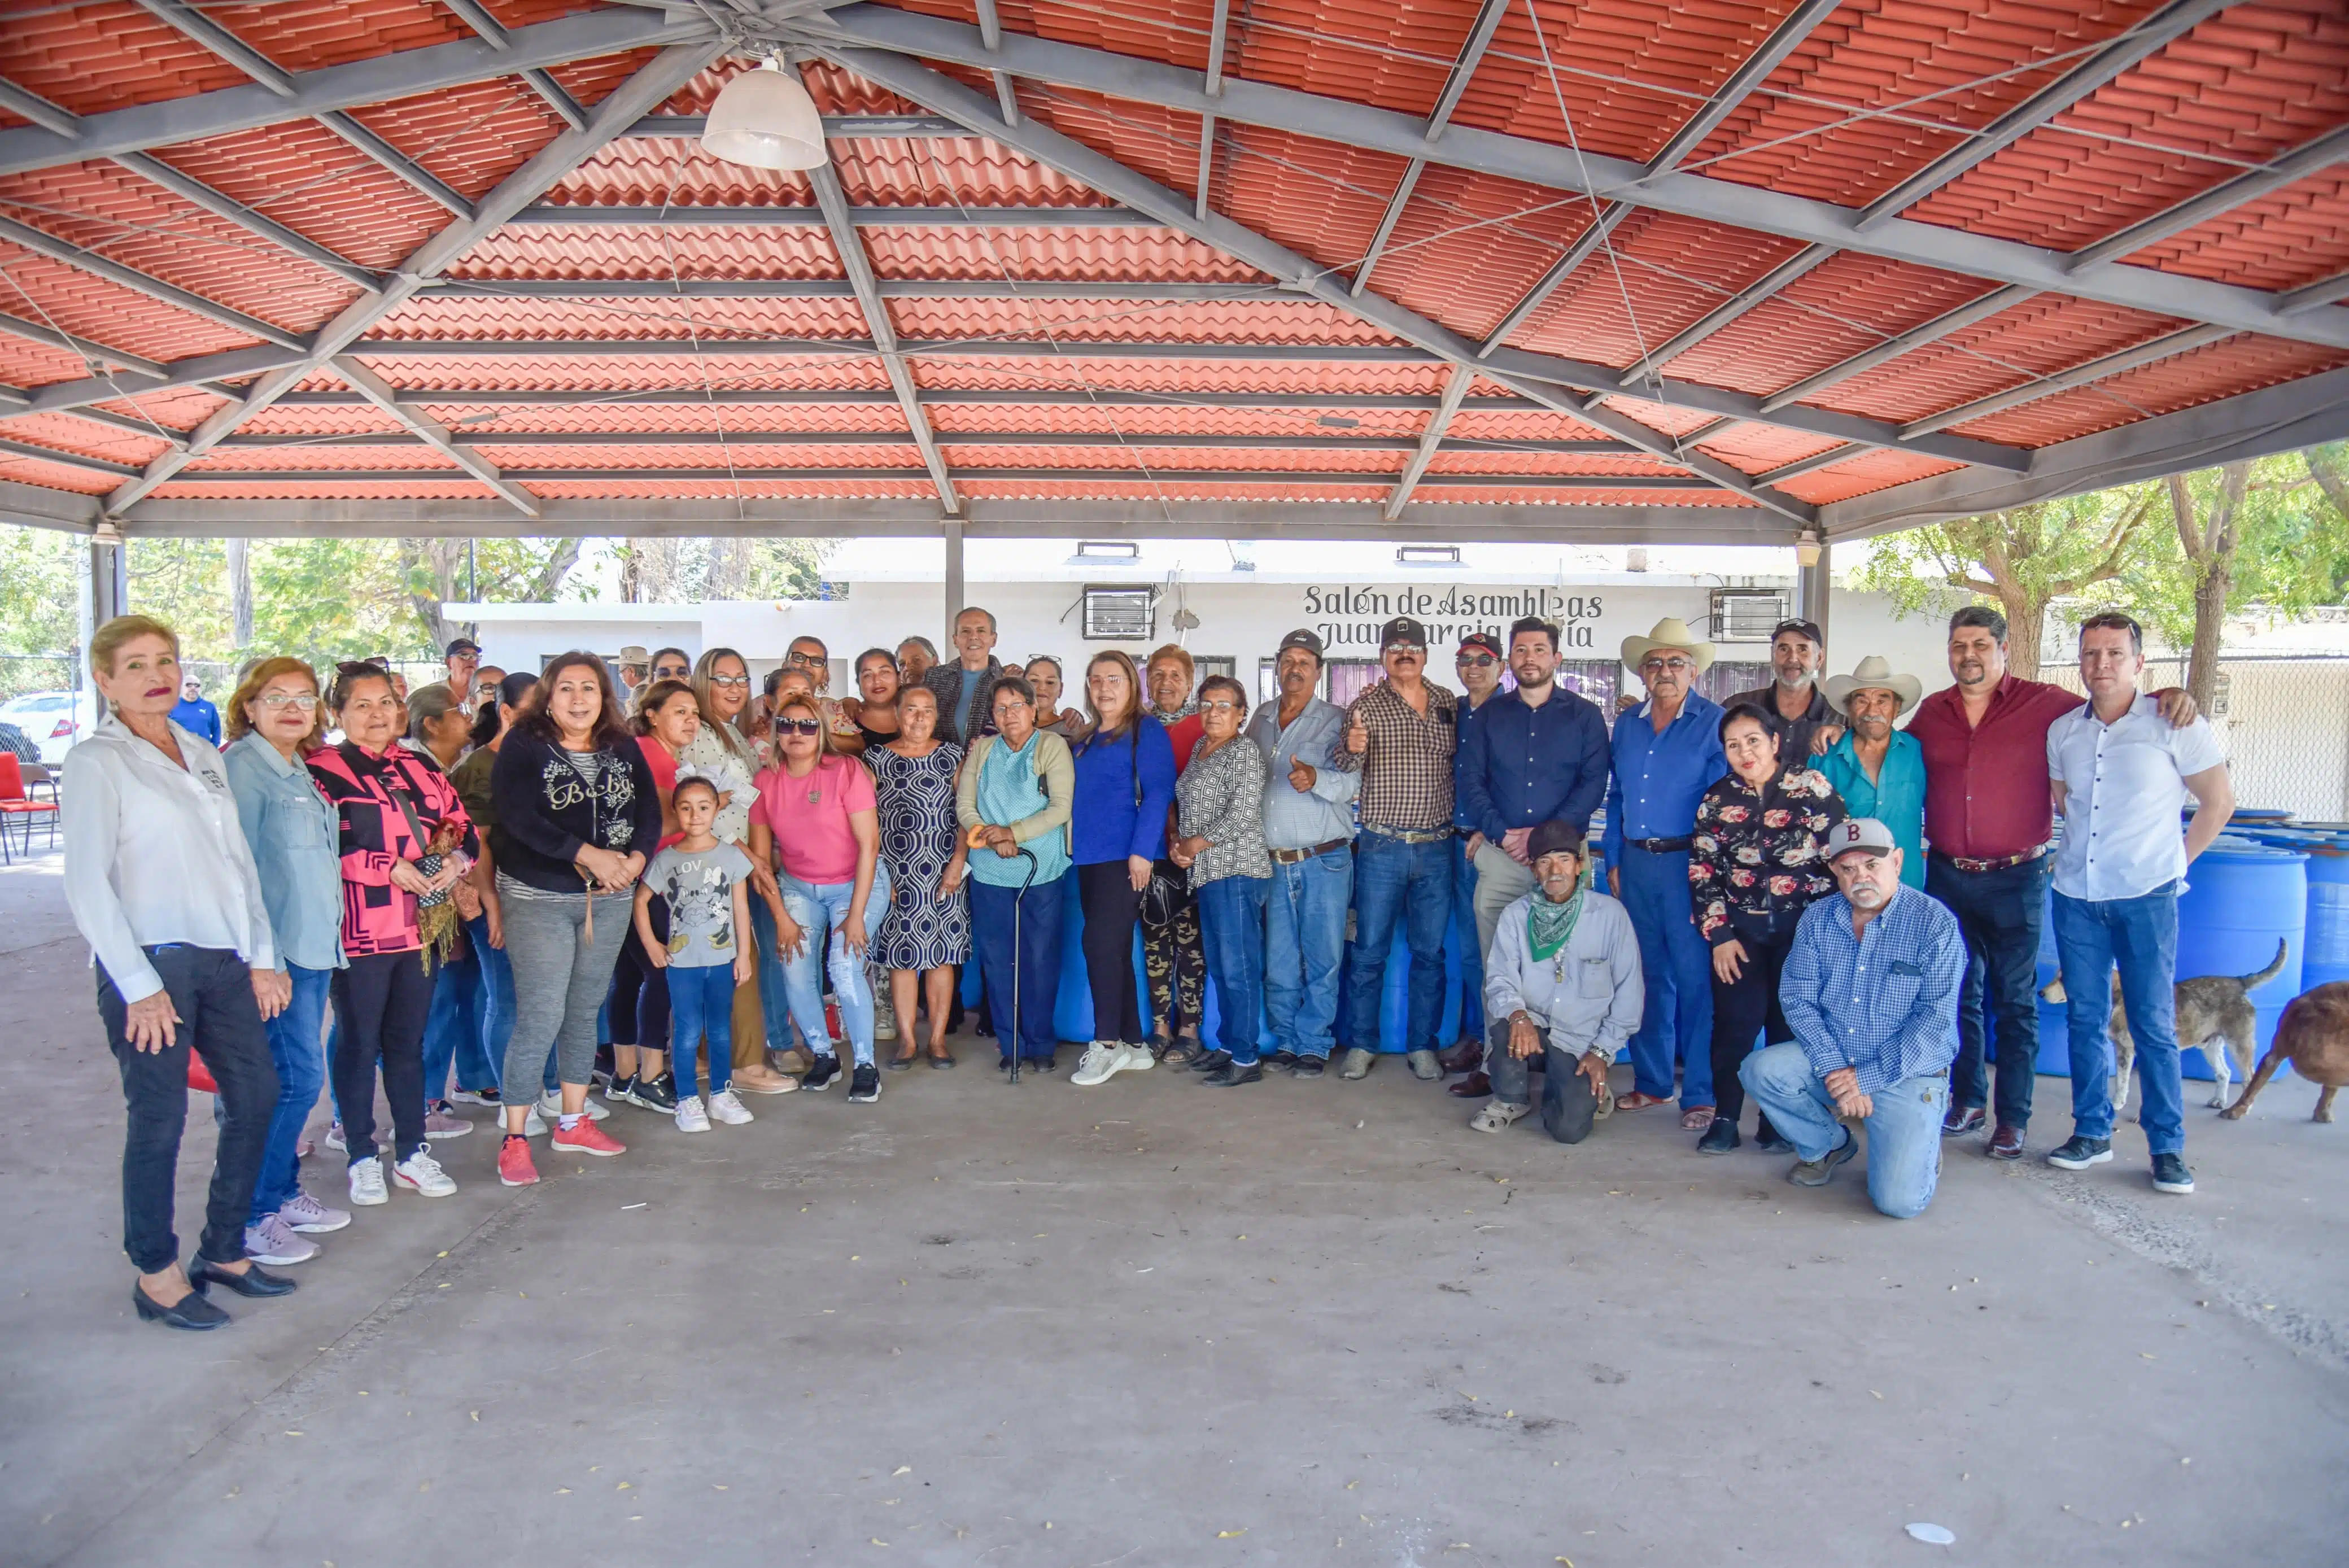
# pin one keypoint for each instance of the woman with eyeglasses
(405, 841)
(275, 721)
(721, 684)
(809, 655)
(926, 931)
(1124, 787)
(1219, 814)
(668, 716)
(816, 827)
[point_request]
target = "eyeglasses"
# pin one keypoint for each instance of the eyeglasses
(672, 672)
(797, 726)
(278, 699)
(805, 661)
(1221, 704)
(729, 680)
(1661, 664)
(1477, 661)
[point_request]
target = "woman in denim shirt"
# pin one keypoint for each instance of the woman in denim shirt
(274, 724)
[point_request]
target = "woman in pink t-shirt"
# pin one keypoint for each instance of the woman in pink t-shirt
(816, 824)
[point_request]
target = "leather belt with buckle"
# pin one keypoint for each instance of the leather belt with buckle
(1410, 835)
(1661, 846)
(1968, 863)
(1291, 857)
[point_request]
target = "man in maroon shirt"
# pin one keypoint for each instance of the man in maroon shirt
(1989, 811)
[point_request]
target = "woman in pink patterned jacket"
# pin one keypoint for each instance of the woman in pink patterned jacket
(404, 839)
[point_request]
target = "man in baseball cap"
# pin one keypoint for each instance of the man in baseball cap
(1798, 649)
(463, 656)
(1869, 990)
(1563, 976)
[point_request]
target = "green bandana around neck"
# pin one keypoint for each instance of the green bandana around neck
(1549, 926)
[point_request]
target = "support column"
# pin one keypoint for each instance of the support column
(1815, 582)
(109, 583)
(952, 529)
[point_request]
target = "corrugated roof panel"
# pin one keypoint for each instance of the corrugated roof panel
(835, 91)
(1142, 423)
(1522, 425)
(318, 185)
(1863, 475)
(591, 374)
(2229, 87)
(94, 58)
(1535, 495)
(1058, 255)
(1758, 448)
(1166, 461)
(326, 456)
(310, 34)
(483, 320)
(1396, 56)
(1469, 246)
(471, 136)
(893, 171)
(1860, 128)
(459, 488)
(2295, 236)
(104, 209)
(182, 409)
(1780, 342)
(1657, 416)
(1106, 489)
(916, 486)
(1131, 321)
(1165, 30)
(1170, 375)
(667, 172)
(84, 436)
(632, 419)
(74, 301)
(634, 253)
(1676, 270)
(313, 420)
(2242, 364)
(2038, 337)
(743, 456)
(54, 476)
(1160, 143)
(1633, 467)
(24, 362)
(1319, 199)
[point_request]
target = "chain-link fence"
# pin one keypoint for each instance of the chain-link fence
(24, 674)
(2286, 724)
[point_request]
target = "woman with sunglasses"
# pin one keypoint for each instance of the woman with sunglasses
(816, 826)
(275, 721)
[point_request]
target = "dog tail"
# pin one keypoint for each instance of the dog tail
(2253, 982)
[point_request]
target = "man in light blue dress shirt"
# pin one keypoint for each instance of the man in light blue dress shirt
(1666, 752)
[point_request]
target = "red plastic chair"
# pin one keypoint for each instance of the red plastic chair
(15, 805)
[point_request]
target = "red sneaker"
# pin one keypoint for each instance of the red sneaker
(585, 1136)
(515, 1167)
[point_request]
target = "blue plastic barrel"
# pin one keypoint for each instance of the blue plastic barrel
(2326, 957)
(2247, 816)
(2238, 903)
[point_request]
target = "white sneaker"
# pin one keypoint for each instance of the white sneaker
(1134, 1057)
(725, 1107)
(690, 1117)
(532, 1124)
(335, 1138)
(420, 1172)
(549, 1106)
(1102, 1059)
(367, 1183)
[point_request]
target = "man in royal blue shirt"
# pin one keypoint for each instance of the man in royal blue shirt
(1478, 662)
(1666, 752)
(194, 715)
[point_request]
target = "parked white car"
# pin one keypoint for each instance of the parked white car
(52, 720)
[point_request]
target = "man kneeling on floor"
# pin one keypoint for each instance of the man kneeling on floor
(1563, 976)
(1869, 990)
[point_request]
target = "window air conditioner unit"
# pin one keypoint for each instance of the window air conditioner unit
(1120, 614)
(1427, 555)
(1747, 615)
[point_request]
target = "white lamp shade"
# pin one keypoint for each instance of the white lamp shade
(765, 118)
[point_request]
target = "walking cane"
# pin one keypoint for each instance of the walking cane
(1018, 906)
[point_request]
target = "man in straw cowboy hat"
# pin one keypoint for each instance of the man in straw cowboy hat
(1878, 770)
(1666, 752)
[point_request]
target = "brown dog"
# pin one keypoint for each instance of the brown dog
(2214, 1012)
(2314, 1036)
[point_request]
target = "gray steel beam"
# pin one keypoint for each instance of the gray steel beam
(1161, 477)
(60, 396)
(1539, 163)
(407, 73)
(42, 243)
(1609, 219)
(197, 193)
(859, 268)
(2160, 348)
(1735, 305)
(651, 85)
(833, 288)
(695, 395)
(765, 516)
(196, 25)
(2281, 418)
(1892, 348)
(1430, 440)
(399, 164)
(492, 32)
(433, 433)
(1811, 464)
(2108, 61)
(2309, 158)
(836, 127)
(70, 459)
(40, 111)
(731, 216)
(2316, 295)
(990, 31)
(1472, 52)
(34, 332)
(36, 506)
(1218, 31)
(1040, 439)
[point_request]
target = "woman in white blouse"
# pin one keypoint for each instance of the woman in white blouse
(162, 886)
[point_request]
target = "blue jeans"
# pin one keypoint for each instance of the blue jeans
(456, 992)
(1036, 964)
(1677, 968)
(1472, 954)
(1410, 884)
(480, 1057)
(821, 909)
(702, 1004)
(1231, 929)
(301, 1072)
(1304, 948)
(1904, 1128)
(2140, 936)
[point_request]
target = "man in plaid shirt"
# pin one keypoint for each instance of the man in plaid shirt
(1400, 734)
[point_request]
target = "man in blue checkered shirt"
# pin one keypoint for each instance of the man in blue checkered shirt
(1870, 992)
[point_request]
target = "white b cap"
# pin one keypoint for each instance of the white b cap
(1858, 833)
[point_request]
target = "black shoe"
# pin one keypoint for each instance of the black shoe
(1231, 1074)
(621, 1091)
(657, 1094)
(1721, 1138)
(254, 1281)
(1281, 1059)
(1308, 1067)
(192, 1312)
(986, 1026)
(820, 1076)
(1214, 1061)
(1043, 1064)
(864, 1084)
(2170, 1175)
(2077, 1154)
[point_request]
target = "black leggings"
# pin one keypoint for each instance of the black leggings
(1748, 1006)
(639, 999)
(381, 1004)
(1105, 892)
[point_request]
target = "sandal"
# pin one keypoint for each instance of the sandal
(1696, 1118)
(1636, 1100)
(1181, 1052)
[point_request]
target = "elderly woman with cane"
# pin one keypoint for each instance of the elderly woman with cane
(1015, 795)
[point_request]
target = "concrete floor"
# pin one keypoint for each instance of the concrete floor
(1156, 1323)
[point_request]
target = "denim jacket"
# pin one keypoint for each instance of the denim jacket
(293, 835)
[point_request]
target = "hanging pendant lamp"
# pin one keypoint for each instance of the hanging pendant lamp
(764, 119)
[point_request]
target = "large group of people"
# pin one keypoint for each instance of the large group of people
(551, 894)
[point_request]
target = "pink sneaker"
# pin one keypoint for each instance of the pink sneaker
(515, 1167)
(585, 1137)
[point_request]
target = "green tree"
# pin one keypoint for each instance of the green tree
(38, 606)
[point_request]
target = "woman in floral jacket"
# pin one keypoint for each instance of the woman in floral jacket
(1756, 861)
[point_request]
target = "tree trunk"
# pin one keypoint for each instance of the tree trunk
(2209, 629)
(240, 593)
(2209, 545)
(2025, 616)
(558, 566)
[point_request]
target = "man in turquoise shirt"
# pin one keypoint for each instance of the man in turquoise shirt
(1878, 770)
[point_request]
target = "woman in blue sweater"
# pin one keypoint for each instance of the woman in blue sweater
(1125, 786)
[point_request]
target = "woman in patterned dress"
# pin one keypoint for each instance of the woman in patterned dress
(1756, 861)
(926, 931)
